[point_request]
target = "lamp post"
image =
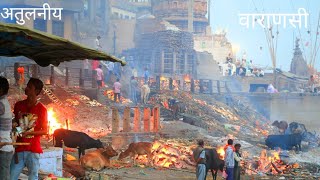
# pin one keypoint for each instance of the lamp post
(114, 39)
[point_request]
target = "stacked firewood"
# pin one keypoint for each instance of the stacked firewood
(167, 39)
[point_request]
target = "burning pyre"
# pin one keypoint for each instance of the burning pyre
(178, 155)
(268, 163)
(53, 123)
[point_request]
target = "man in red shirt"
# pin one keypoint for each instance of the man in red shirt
(99, 76)
(29, 155)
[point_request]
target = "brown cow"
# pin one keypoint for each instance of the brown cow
(98, 159)
(139, 148)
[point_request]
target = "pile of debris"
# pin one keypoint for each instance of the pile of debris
(167, 39)
(210, 114)
(174, 153)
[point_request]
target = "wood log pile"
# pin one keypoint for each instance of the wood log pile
(208, 113)
(167, 39)
(174, 153)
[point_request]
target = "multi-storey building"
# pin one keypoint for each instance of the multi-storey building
(181, 12)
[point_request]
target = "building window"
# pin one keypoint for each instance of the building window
(58, 28)
(40, 24)
(190, 64)
(126, 17)
(175, 4)
(180, 59)
(157, 61)
(168, 62)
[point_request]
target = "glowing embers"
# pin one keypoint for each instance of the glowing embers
(110, 95)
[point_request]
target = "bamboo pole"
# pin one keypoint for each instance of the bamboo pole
(126, 120)
(146, 119)
(136, 120)
(115, 120)
(156, 119)
(315, 51)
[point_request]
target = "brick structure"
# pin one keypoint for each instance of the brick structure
(165, 53)
(176, 12)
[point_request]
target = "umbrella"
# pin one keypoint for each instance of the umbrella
(44, 48)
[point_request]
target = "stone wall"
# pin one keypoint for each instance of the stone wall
(290, 107)
(216, 44)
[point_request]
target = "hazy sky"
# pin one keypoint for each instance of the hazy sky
(225, 16)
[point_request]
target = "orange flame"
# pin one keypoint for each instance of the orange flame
(162, 78)
(187, 78)
(221, 152)
(52, 122)
(275, 156)
(110, 95)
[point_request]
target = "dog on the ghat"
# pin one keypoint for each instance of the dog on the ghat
(145, 91)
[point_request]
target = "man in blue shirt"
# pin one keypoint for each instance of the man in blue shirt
(146, 75)
(229, 159)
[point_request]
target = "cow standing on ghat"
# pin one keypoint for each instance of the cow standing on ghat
(286, 141)
(145, 91)
(213, 162)
(75, 139)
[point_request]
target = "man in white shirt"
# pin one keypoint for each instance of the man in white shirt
(86, 67)
(134, 72)
(97, 43)
(6, 151)
(261, 73)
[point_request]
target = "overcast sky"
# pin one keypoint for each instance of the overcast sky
(225, 16)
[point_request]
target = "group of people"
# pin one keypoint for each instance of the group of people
(240, 68)
(14, 160)
(133, 88)
(243, 67)
(103, 78)
(232, 160)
